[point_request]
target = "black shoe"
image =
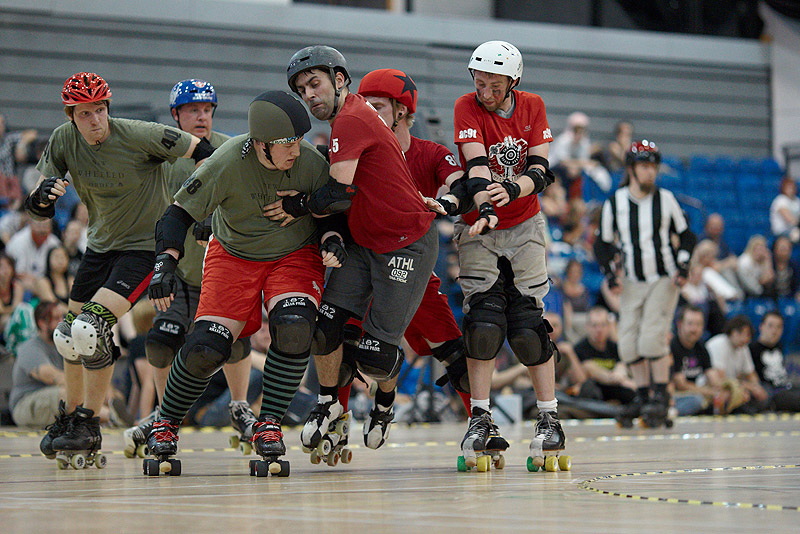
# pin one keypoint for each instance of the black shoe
(82, 433)
(268, 438)
(163, 438)
(54, 430)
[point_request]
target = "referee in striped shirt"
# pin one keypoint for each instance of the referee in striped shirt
(636, 232)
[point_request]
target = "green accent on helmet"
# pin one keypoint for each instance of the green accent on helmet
(277, 115)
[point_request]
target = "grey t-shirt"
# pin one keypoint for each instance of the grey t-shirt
(32, 354)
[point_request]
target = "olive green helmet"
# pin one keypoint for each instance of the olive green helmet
(277, 117)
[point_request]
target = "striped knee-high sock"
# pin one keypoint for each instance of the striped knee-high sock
(282, 376)
(183, 389)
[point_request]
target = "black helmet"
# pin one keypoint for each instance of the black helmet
(317, 56)
(277, 117)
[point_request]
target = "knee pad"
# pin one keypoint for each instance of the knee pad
(93, 338)
(528, 331)
(485, 324)
(292, 322)
(240, 350)
(62, 338)
(375, 358)
(329, 333)
(207, 349)
(451, 355)
(163, 341)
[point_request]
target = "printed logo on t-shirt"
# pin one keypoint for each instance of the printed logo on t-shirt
(335, 144)
(546, 134)
(316, 287)
(507, 158)
(469, 133)
(400, 268)
(451, 160)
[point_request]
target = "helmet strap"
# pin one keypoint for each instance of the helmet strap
(337, 92)
(395, 113)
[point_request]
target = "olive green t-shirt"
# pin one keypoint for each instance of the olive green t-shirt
(120, 180)
(190, 268)
(236, 190)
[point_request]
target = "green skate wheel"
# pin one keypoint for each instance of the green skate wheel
(61, 463)
(565, 463)
(532, 467)
(245, 448)
(461, 465)
(233, 441)
(129, 453)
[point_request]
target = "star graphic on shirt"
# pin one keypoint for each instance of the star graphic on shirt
(408, 84)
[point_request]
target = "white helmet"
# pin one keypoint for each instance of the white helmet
(497, 57)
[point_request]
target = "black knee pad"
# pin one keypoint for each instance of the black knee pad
(451, 355)
(484, 325)
(329, 333)
(240, 350)
(163, 341)
(528, 331)
(375, 358)
(291, 325)
(207, 349)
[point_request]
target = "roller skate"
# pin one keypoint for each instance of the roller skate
(333, 445)
(629, 412)
(55, 429)
(242, 420)
(136, 437)
(655, 413)
(79, 446)
(547, 443)
(377, 426)
(474, 445)
(163, 443)
(319, 420)
(268, 443)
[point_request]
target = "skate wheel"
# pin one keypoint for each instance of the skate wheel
(669, 423)
(565, 463)
(315, 458)
(233, 441)
(306, 449)
(532, 467)
(253, 468)
(100, 461)
(150, 467)
(78, 461)
(324, 447)
(333, 459)
(500, 463)
(129, 453)
(551, 464)
(484, 462)
(142, 451)
(284, 469)
(165, 467)
(342, 428)
(461, 465)
(262, 469)
(61, 463)
(274, 468)
(347, 456)
(245, 448)
(175, 468)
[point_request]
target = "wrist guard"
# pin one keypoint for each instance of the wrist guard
(512, 188)
(540, 178)
(484, 211)
(333, 243)
(202, 150)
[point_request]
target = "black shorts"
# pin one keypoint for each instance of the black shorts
(125, 272)
(183, 308)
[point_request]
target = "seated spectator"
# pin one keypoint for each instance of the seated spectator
(730, 353)
(38, 374)
(696, 383)
(600, 359)
(714, 231)
(81, 214)
(56, 282)
(696, 292)
(11, 290)
(615, 150)
(12, 222)
(576, 299)
(555, 208)
(787, 271)
(754, 269)
(72, 237)
(770, 365)
(29, 247)
(784, 212)
(570, 157)
(14, 148)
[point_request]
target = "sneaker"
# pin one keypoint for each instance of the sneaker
(163, 438)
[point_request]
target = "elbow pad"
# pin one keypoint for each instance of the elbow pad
(171, 229)
(333, 197)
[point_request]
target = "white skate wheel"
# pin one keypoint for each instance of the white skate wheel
(274, 468)
(165, 467)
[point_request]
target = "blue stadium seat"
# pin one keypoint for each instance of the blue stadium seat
(791, 324)
(757, 307)
(699, 163)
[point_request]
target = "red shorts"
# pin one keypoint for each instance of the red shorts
(433, 321)
(232, 287)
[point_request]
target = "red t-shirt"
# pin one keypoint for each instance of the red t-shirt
(388, 212)
(507, 142)
(430, 164)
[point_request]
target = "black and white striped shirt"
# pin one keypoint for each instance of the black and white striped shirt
(642, 230)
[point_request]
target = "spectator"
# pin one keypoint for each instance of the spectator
(570, 157)
(787, 271)
(730, 353)
(13, 148)
(723, 282)
(697, 293)
(754, 269)
(696, 383)
(614, 154)
(29, 247)
(11, 291)
(12, 222)
(72, 235)
(600, 359)
(38, 374)
(714, 231)
(784, 213)
(576, 299)
(56, 282)
(769, 363)
(81, 214)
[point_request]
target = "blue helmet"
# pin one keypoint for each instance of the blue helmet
(192, 90)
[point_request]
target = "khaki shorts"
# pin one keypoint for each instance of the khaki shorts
(523, 245)
(38, 408)
(645, 318)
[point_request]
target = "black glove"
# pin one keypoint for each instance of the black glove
(512, 188)
(541, 179)
(42, 194)
(163, 283)
(296, 205)
(486, 209)
(202, 230)
(449, 207)
(333, 243)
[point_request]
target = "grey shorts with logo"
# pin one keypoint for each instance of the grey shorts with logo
(523, 245)
(183, 308)
(394, 283)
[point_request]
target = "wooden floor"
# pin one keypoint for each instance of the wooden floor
(705, 475)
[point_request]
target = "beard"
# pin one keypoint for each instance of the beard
(647, 188)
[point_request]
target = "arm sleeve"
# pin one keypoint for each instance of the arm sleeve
(468, 127)
(349, 139)
(167, 143)
(446, 165)
(202, 192)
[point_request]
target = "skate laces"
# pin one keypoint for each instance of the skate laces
(240, 412)
(268, 430)
(546, 425)
(164, 431)
(59, 425)
(480, 426)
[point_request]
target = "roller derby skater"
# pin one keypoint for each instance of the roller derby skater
(654, 270)
(79, 446)
(547, 444)
(283, 277)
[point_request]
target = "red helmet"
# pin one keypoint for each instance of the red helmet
(84, 88)
(390, 83)
(643, 150)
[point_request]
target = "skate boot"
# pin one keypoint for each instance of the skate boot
(55, 429)
(629, 412)
(547, 443)
(136, 437)
(79, 446)
(654, 412)
(377, 426)
(268, 443)
(473, 446)
(318, 422)
(333, 445)
(242, 420)
(495, 446)
(163, 443)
